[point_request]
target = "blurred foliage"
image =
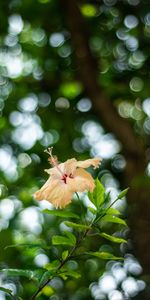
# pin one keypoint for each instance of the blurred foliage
(43, 103)
(69, 249)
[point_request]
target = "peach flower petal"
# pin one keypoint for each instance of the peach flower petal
(67, 167)
(56, 192)
(82, 181)
(95, 162)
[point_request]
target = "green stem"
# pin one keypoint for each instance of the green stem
(82, 211)
(100, 217)
(77, 196)
(61, 265)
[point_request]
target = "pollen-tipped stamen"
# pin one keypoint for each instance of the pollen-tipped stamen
(53, 159)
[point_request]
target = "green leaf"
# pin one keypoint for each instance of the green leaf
(98, 193)
(38, 245)
(97, 197)
(112, 211)
(53, 265)
(112, 238)
(71, 236)
(76, 226)
(105, 255)
(113, 219)
(63, 276)
(48, 291)
(62, 240)
(123, 193)
(38, 274)
(65, 254)
(107, 197)
(25, 273)
(47, 276)
(17, 272)
(92, 210)
(61, 213)
(90, 195)
(71, 274)
(107, 211)
(6, 290)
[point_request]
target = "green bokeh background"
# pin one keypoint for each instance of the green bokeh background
(45, 101)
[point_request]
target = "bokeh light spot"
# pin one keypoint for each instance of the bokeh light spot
(146, 106)
(15, 24)
(71, 89)
(132, 43)
(130, 286)
(62, 104)
(44, 99)
(84, 105)
(29, 103)
(41, 259)
(56, 39)
(131, 21)
(88, 10)
(24, 160)
(136, 84)
(31, 219)
(7, 208)
(107, 283)
(106, 147)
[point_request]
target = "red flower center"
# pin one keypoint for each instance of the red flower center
(64, 177)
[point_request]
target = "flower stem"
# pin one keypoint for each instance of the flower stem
(61, 264)
(100, 217)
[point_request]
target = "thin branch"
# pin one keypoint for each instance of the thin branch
(104, 214)
(72, 251)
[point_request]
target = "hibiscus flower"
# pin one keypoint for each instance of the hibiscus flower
(65, 179)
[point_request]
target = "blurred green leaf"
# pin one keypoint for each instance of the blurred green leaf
(53, 265)
(7, 291)
(105, 255)
(65, 254)
(70, 273)
(113, 219)
(42, 245)
(76, 226)
(71, 236)
(112, 211)
(48, 291)
(36, 274)
(107, 211)
(61, 213)
(61, 240)
(46, 276)
(97, 197)
(112, 238)
(123, 193)
(92, 210)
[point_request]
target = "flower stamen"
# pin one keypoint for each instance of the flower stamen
(53, 159)
(64, 177)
